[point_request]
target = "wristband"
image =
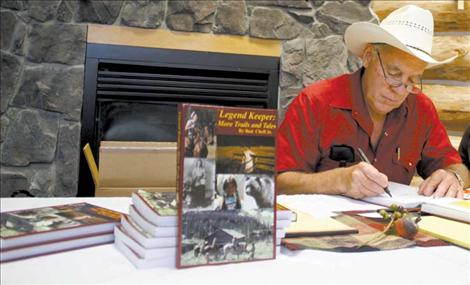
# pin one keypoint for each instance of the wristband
(457, 175)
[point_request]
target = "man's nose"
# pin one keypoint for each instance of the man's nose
(400, 90)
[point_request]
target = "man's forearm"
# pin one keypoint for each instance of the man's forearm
(462, 171)
(327, 182)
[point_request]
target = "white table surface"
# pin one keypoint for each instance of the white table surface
(104, 264)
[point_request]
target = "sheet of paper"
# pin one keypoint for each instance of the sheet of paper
(307, 225)
(320, 206)
(448, 230)
(402, 195)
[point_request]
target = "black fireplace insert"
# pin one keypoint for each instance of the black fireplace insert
(132, 93)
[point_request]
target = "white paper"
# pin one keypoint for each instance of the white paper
(320, 206)
(402, 195)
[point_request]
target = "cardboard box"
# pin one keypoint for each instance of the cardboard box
(127, 166)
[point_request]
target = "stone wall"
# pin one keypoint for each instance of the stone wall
(42, 59)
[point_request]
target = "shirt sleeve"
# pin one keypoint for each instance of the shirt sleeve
(464, 148)
(297, 137)
(438, 151)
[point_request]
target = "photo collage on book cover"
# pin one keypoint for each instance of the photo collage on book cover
(44, 219)
(228, 193)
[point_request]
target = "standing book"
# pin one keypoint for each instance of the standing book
(226, 185)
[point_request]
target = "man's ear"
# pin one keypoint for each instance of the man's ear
(367, 55)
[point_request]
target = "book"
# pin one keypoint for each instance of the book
(283, 218)
(402, 195)
(448, 230)
(452, 208)
(149, 227)
(226, 185)
(284, 213)
(141, 262)
(56, 246)
(144, 238)
(158, 208)
(282, 224)
(307, 225)
(158, 252)
(38, 225)
(147, 241)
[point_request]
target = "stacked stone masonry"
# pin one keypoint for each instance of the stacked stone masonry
(43, 51)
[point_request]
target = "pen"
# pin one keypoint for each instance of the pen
(366, 160)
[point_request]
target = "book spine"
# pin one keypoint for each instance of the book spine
(275, 236)
(179, 178)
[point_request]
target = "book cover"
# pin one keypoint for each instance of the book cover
(157, 207)
(451, 208)
(226, 185)
(43, 224)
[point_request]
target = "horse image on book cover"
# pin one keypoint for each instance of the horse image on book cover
(226, 185)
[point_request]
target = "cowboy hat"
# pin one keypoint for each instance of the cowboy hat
(409, 28)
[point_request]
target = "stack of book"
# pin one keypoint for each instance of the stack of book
(40, 231)
(147, 235)
(284, 219)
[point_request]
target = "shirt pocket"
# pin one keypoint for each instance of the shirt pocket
(407, 160)
(327, 163)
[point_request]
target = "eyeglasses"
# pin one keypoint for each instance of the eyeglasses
(395, 82)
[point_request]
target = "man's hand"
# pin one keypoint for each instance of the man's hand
(364, 180)
(441, 183)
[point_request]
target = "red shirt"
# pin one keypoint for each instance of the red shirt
(333, 112)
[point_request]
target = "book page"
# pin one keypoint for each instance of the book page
(451, 208)
(323, 206)
(402, 195)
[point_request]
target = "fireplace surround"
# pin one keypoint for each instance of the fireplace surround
(132, 86)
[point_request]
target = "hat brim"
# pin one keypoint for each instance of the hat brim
(359, 34)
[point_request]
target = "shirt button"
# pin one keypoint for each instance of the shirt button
(386, 133)
(375, 159)
(410, 164)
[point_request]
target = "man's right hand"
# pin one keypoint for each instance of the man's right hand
(363, 180)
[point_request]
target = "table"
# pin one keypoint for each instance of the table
(104, 264)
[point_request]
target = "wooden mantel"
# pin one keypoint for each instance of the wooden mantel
(162, 38)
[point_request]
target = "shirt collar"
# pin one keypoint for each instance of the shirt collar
(352, 88)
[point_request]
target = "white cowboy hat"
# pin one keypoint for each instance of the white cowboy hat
(409, 28)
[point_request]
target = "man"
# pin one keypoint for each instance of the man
(464, 147)
(379, 109)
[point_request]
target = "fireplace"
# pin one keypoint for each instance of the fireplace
(131, 92)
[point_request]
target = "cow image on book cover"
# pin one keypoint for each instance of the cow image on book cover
(226, 191)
